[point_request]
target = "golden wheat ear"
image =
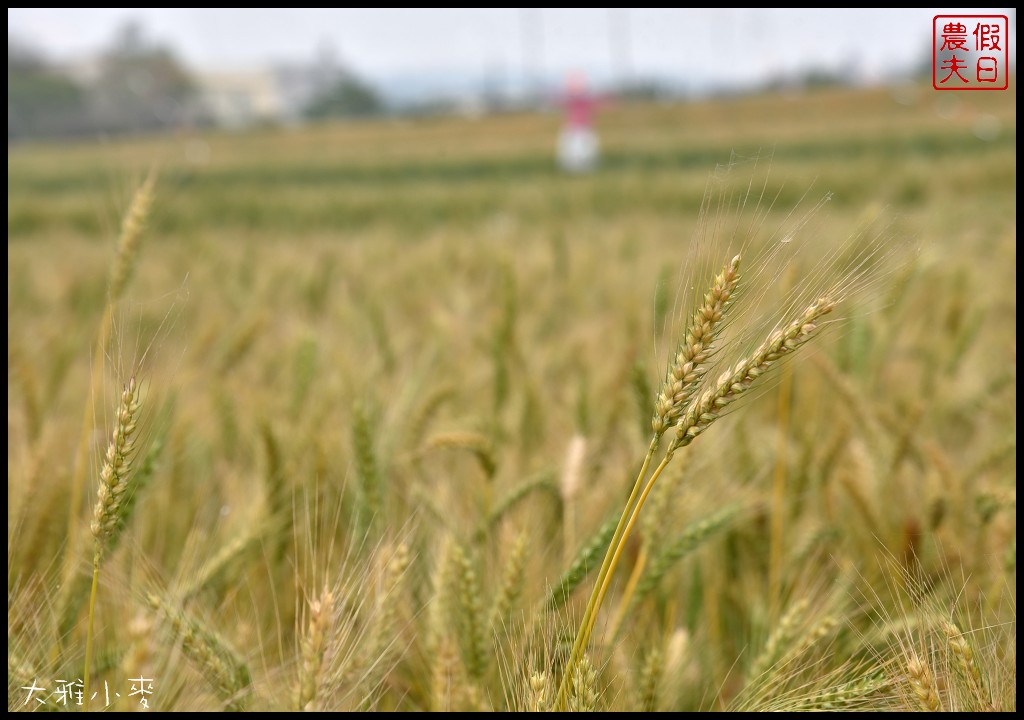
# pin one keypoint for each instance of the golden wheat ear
(689, 365)
(732, 384)
(314, 647)
(115, 486)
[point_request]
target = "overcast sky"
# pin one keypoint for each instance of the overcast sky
(696, 46)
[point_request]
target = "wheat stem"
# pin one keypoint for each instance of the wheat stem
(629, 590)
(89, 631)
(697, 418)
(580, 643)
(617, 554)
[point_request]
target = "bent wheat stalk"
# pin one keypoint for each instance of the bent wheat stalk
(681, 382)
(697, 417)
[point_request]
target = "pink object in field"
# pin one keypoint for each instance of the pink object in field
(578, 145)
(580, 105)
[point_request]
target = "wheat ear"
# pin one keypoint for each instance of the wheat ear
(688, 366)
(732, 384)
(226, 672)
(314, 648)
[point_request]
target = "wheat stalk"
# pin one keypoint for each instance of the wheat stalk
(113, 500)
(132, 226)
(697, 418)
(681, 381)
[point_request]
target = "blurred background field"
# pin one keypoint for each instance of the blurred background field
(409, 359)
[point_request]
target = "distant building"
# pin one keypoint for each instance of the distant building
(237, 99)
(138, 86)
(85, 71)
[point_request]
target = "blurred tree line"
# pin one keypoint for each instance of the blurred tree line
(346, 97)
(135, 85)
(132, 86)
(40, 101)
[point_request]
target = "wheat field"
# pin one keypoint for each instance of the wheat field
(346, 417)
